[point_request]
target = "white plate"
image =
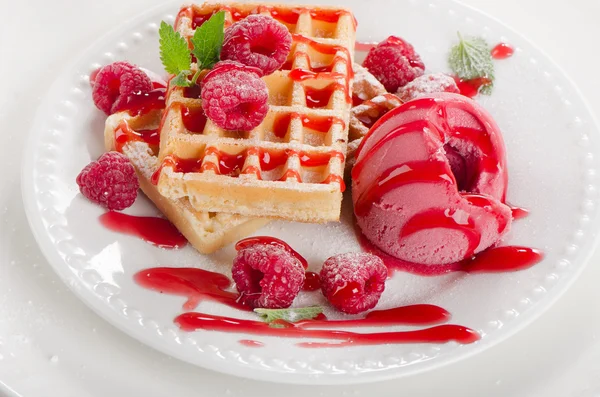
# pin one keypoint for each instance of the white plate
(551, 141)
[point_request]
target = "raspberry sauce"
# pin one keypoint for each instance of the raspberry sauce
(470, 88)
(229, 164)
(442, 218)
(312, 282)
(124, 134)
(492, 260)
(502, 51)
(291, 174)
(267, 240)
(156, 231)
(198, 285)
(341, 54)
(250, 343)
(319, 98)
(142, 103)
(283, 15)
(414, 172)
(315, 123)
(438, 334)
(194, 120)
(281, 125)
(519, 213)
(321, 124)
(269, 160)
(195, 284)
(318, 159)
(337, 179)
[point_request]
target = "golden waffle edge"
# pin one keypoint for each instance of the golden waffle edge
(292, 172)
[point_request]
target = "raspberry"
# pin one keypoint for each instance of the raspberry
(110, 181)
(114, 83)
(259, 41)
(428, 84)
(267, 276)
(234, 97)
(353, 282)
(394, 63)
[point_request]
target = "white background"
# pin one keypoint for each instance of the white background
(52, 345)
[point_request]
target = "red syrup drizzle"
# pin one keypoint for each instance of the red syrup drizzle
(281, 125)
(142, 103)
(319, 98)
(250, 343)
(316, 123)
(519, 213)
(287, 16)
(492, 260)
(470, 88)
(321, 124)
(194, 120)
(443, 219)
(269, 160)
(156, 231)
(300, 74)
(229, 164)
(124, 134)
(318, 159)
(268, 240)
(192, 92)
(198, 284)
(502, 51)
(312, 282)
(438, 334)
(195, 284)
(356, 100)
(408, 173)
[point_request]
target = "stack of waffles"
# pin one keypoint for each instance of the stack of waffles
(217, 186)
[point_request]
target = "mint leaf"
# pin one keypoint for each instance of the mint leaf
(272, 316)
(208, 40)
(181, 80)
(174, 51)
(471, 59)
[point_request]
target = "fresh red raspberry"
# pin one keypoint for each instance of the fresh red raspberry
(114, 83)
(234, 97)
(259, 41)
(109, 181)
(267, 276)
(353, 282)
(394, 63)
(428, 84)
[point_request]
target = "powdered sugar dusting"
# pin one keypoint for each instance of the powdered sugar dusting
(428, 84)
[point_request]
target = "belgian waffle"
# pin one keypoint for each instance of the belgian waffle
(291, 166)
(206, 231)
(373, 102)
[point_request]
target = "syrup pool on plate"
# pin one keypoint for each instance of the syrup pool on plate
(198, 284)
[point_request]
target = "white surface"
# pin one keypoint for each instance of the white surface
(99, 265)
(50, 341)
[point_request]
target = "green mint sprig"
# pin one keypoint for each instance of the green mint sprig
(176, 56)
(471, 59)
(275, 316)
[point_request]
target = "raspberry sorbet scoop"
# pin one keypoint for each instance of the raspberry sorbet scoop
(353, 282)
(430, 181)
(267, 276)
